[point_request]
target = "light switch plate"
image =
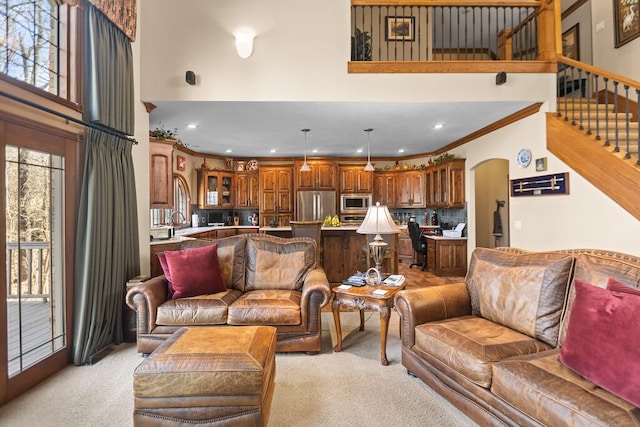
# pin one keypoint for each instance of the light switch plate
(599, 26)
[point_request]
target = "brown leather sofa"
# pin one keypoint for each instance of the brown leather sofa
(491, 345)
(270, 281)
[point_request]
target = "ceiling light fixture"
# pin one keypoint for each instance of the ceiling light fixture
(273, 150)
(305, 167)
(192, 126)
(438, 126)
(369, 167)
(244, 43)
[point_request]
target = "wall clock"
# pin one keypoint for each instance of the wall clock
(524, 157)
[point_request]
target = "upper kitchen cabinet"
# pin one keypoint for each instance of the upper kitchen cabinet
(411, 189)
(445, 184)
(321, 176)
(354, 179)
(247, 184)
(384, 188)
(161, 173)
(276, 188)
(215, 189)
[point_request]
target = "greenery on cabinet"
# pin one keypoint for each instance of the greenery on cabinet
(360, 46)
(166, 134)
(441, 158)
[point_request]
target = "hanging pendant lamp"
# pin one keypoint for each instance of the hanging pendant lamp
(369, 167)
(305, 167)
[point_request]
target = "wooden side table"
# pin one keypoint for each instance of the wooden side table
(363, 298)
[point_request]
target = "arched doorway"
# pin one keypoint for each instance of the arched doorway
(492, 203)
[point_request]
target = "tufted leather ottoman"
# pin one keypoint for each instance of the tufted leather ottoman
(218, 375)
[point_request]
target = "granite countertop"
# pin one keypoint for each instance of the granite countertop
(174, 239)
(195, 230)
(288, 228)
(444, 237)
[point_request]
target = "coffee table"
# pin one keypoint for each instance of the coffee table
(363, 298)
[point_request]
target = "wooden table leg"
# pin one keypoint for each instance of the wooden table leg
(385, 313)
(361, 319)
(335, 306)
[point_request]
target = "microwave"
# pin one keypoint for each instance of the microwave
(355, 203)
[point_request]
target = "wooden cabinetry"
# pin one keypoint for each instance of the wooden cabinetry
(445, 185)
(276, 193)
(405, 247)
(354, 179)
(154, 250)
(342, 253)
(322, 175)
(246, 191)
(215, 189)
(160, 174)
(411, 189)
(384, 189)
(447, 257)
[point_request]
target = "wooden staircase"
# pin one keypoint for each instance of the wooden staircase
(583, 135)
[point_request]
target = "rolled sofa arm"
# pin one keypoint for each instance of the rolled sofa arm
(316, 293)
(422, 305)
(145, 299)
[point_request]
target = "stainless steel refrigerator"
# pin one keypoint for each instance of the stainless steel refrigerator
(316, 205)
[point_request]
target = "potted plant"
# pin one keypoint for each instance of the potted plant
(165, 134)
(360, 46)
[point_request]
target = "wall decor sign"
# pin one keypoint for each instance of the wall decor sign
(400, 28)
(181, 163)
(541, 164)
(626, 21)
(542, 185)
(571, 43)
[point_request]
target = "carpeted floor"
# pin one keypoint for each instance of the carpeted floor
(328, 389)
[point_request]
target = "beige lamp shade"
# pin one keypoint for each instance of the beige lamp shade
(378, 221)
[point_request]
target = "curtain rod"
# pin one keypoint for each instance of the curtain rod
(102, 128)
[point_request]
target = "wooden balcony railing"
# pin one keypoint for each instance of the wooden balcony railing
(422, 35)
(28, 270)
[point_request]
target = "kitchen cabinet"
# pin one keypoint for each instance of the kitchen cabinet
(247, 187)
(154, 264)
(405, 247)
(322, 175)
(354, 179)
(445, 184)
(215, 189)
(411, 189)
(276, 194)
(447, 257)
(384, 188)
(342, 253)
(161, 174)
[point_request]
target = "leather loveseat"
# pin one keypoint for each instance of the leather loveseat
(268, 281)
(494, 345)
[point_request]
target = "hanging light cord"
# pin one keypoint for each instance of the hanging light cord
(305, 144)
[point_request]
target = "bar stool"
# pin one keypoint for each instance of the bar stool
(311, 229)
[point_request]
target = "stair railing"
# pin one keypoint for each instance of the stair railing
(614, 98)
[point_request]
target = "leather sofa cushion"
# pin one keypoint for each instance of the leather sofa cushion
(470, 345)
(231, 255)
(266, 307)
(200, 310)
(540, 386)
(596, 269)
(276, 263)
(525, 292)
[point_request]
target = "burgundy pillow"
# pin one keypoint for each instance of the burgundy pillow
(195, 271)
(614, 285)
(167, 273)
(602, 338)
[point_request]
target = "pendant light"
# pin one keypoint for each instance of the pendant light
(305, 167)
(369, 167)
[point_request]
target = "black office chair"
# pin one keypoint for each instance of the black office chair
(419, 245)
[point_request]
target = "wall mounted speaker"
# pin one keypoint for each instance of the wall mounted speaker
(501, 78)
(190, 77)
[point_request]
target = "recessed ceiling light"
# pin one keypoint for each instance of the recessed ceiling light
(273, 150)
(315, 150)
(192, 126)
(438, 126)
(359, 150)
(401, 150)
(228, 150)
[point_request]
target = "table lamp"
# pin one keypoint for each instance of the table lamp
(378, 221)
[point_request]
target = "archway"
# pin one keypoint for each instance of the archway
(492, 203)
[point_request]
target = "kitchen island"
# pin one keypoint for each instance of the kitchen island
(447, 256)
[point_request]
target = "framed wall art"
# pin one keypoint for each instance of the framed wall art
(626, 21)
(181, 163)
(571, 43)
(400, 28)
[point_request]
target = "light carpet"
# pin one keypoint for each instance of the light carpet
(328, 389)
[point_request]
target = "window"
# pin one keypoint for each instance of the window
(181, 200)
(39, 45)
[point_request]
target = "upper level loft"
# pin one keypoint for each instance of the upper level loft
(430, 36)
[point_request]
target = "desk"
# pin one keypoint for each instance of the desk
(363, 298)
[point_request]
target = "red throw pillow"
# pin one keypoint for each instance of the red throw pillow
(602, 339)
(614, 285)
(195, 271)
(167, 273)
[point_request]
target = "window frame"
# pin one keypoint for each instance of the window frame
(181, 184)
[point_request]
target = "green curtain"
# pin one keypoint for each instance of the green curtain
(107, 252)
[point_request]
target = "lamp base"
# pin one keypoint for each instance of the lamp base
(378, 247)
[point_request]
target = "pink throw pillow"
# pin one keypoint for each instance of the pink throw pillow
(195, 271)
(614, 285)
(602, 338)
(162, 258)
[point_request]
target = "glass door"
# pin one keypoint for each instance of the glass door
(38, 229)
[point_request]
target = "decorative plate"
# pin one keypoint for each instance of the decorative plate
(252, 165)
(239, 166)
(524, 157)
